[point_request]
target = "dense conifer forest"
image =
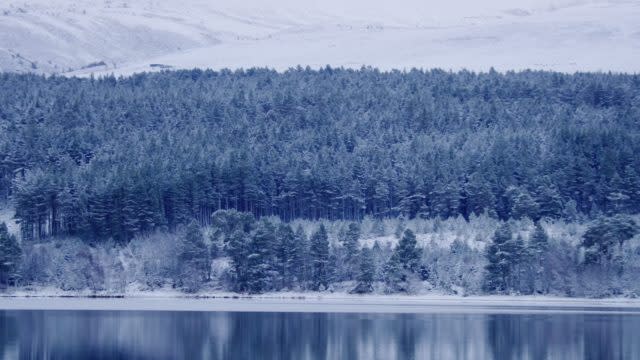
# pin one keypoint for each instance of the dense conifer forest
(222, 163)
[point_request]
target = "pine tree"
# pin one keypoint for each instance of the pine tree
(194, 259)
(499, 260)
(367, 272)
(286, 253)
(408, 252)
(10, 256)
(351, 244)
(395, 275)
(478, 195)
(631, 188)
(538, 248)
(550, 202)
(403, 263)
(238, 247)
(518, 272)
(523, 205)
(319, 256)
(379, 260)
(260, 258)
(301, 261)
(604, 235)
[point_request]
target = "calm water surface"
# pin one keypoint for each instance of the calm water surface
(58, 334)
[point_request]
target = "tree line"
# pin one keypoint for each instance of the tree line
(268, 255)
(115, 158)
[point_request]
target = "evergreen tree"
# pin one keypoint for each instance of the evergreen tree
(631, 188)
(518, 279)
(396, 276)
(286, 255)
(500, 259)
(351, 246)
(319, 256)
(523, 205)
(10, 256)
(194, 259)
(238, 249)
(366, 274)
(403, 263)
(478, 195)
(604, 235)
(301, 260)
(408, 252)
(550, 202)
(261, 258)
(538, 248)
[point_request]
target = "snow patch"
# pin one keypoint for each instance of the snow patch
(6, 216)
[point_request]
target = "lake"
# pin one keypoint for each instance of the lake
(83, 334)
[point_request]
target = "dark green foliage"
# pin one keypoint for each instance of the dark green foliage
(408, 252)
(403, 264)
(193, 259)
(319, 256)
(522, 204)
(301, 261)
(238, 249)
(605, 235)
(351, 246)
(367, 272)
(114, 158)
(10, 257)
(504, 256)
(286, 255)
(260, 259)
(538, 261)
(396, 277)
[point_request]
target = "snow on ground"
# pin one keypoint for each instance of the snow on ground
(332, 303)
(6, 216)
(82, 37)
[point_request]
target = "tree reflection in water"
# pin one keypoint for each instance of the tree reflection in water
(202, 335)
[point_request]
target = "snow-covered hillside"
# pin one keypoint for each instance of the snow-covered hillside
(125, 36)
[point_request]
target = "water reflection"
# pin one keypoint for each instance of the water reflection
(200, 335)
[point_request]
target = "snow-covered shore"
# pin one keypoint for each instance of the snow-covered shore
(323, 302)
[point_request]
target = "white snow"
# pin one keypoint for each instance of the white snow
(332, 303)
(6, 216)
(127, 36)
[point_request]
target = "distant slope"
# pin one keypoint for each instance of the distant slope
(84, 36)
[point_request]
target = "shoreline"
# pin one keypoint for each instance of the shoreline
(326, 303)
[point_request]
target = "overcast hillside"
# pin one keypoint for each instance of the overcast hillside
(121, 37)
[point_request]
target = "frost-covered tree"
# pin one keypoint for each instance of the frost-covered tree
(301, 263)
(350, 243)
(194, 259)
(287, 256)
(10, 257)
(366, 273)
(538, 260)
(403, 263)
(522, 204)
(238, 249)
(408, 252)
(319, 257)
(501, 258)
(261, 258)
(182, 158)
(605, 235)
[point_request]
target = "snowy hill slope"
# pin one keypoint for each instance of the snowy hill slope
(125, 36)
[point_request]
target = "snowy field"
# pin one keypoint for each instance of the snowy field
(82, 37)
(331, 303)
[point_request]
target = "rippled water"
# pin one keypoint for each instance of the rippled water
(240, 335)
